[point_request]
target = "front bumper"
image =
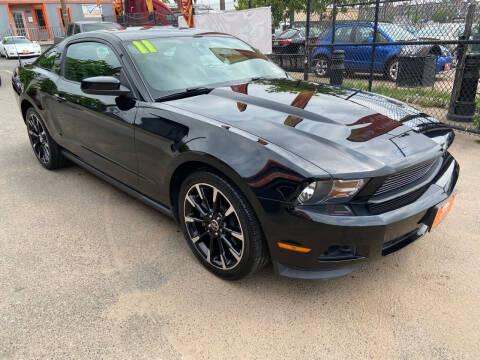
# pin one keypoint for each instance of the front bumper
(340, 243)
(23, 55)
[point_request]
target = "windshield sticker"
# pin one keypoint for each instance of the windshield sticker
(140, 47)
(149, 46)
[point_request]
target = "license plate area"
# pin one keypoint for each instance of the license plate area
(442, 211)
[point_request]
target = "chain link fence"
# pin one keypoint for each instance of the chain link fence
(424, 53)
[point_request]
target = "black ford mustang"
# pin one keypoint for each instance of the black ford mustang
(254, 166)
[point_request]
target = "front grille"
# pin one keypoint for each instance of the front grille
(397, 202)
(405, 177)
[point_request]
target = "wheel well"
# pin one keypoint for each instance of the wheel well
(389, 61)
(186, 169)
(180, 174)
(24, 106)
(321, 55)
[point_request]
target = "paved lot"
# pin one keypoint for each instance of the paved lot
(88, 272)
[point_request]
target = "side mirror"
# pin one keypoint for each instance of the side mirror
(369, 40)
(104, 85)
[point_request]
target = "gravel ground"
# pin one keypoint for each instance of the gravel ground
(88, 272)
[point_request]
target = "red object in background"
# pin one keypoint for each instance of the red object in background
(285, 42)
(160, 10)
(186, 8)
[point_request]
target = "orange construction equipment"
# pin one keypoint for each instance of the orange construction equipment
(118, 6)
(186, 8)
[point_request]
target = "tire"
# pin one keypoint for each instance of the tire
(391, 69)
(44, 147)
(224, 234)
(321, 66)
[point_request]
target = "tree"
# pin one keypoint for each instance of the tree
(281, 8)
(443, 15)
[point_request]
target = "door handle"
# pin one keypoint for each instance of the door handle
(60, 98)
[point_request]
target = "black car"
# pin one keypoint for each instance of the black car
(292, 41)
(253, 165)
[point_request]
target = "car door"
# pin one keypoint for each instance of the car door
(363, 55)
(343, 36)
(97, 128)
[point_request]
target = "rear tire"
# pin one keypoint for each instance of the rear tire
(391, 70)
(44, 147)
(220, 226)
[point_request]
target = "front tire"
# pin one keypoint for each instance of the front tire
(321, 66)
(220, 226)
(44, 147)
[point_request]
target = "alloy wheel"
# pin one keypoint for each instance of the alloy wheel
(393, 70)
(213, 226)
(38, 138)
(321, 67)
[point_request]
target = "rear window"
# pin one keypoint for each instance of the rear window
(288, 34)
(100, 26)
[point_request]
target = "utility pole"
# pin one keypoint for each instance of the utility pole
(65, 17)
(249, 4)
(222, 4)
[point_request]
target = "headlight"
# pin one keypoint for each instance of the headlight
(329, 190)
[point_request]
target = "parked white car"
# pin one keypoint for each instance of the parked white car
(15, 46)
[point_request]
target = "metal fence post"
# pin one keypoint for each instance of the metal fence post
(461, 55)
(374, 45)
(334, 20)
(306, 50)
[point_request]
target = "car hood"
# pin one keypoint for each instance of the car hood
(343, 131)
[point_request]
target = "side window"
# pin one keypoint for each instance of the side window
(362, 33)
(46, 60)
(343, 33)
(87, 59)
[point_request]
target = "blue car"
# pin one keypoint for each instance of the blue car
(357, 58)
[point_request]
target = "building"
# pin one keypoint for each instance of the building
(42, 20)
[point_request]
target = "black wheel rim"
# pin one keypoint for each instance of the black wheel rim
(213, 226)
(38, 138)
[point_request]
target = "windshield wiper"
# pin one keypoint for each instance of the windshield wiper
(185, 93)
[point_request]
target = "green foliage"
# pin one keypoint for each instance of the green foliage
(77, 70)
(282, 8)
(443, 15)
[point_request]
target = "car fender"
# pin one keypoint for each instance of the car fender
(321, 50)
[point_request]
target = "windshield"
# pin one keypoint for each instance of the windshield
(16, 40)
(437, 30)
(173, 64)
(100, 26)
(397, 33)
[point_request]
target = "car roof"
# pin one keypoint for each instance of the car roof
(144, 32)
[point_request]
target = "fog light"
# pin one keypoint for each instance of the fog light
(338, 253)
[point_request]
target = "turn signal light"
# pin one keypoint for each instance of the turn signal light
(300, 249)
